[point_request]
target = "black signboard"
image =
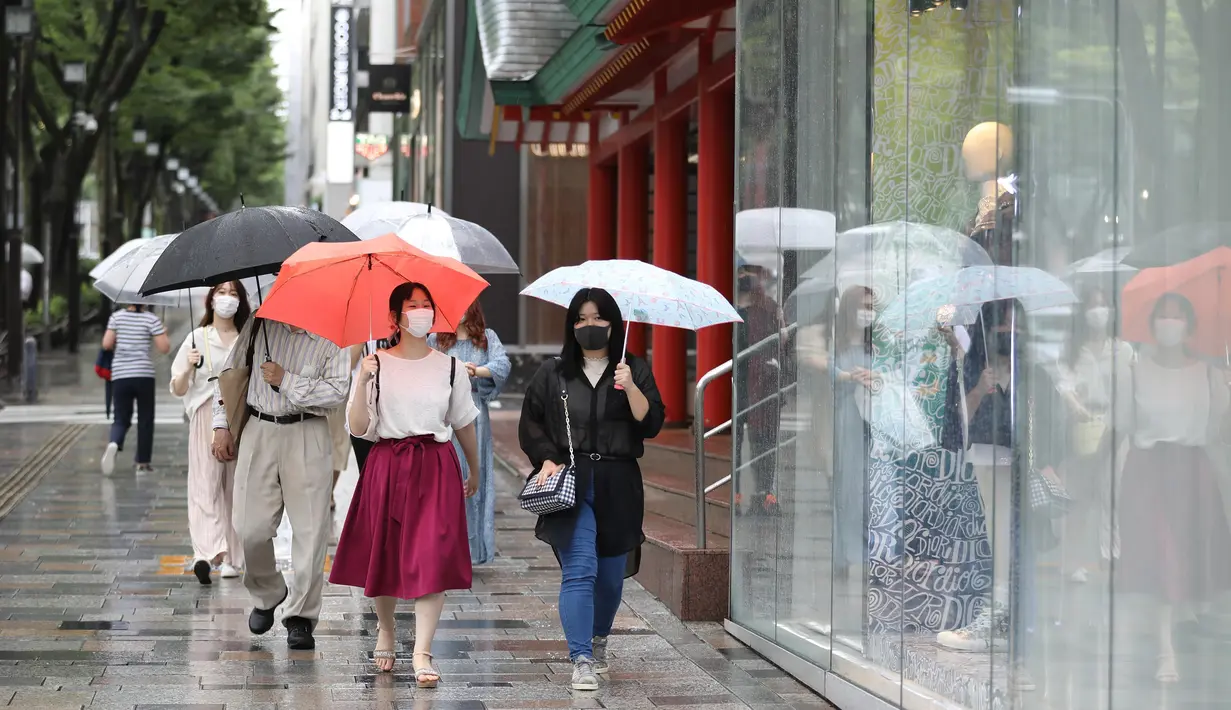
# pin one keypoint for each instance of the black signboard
(388, 88)
(341, 42)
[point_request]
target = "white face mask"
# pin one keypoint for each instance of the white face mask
(226, 306)
(864, 317)
(419, 322)
(1170, 332)
(1098, 317)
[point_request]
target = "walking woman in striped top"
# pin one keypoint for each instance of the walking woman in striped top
(130, 333)
(210, 481)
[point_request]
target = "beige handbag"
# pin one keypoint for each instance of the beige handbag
(233, 388)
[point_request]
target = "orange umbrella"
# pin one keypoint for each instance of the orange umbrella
(340, 291)
(1205, 280)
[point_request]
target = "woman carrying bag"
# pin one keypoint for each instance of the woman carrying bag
(210, 481)
(583, 426)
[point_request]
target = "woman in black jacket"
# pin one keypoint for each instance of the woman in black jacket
(613, 407)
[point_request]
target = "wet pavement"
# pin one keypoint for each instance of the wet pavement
(97, 609)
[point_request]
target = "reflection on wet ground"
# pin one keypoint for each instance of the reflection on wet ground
(97, 611)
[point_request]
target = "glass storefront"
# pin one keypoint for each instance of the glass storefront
(982, 431)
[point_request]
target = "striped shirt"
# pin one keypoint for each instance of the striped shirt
(317, 375)
(134, 332)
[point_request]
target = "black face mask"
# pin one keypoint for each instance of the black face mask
(592, 337)
(1004, 342)
(746, 283)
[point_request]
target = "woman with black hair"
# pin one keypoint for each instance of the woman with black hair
(194, 374)
(405, 533)
(612, 408)
(1174, 531)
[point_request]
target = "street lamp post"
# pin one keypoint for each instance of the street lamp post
(16, 23)
(75, 76)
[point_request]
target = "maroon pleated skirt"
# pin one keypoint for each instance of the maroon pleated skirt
(1174, 537)
(405, 532)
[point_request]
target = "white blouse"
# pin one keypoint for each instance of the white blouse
(1170, 404)
(416, 400)
(214, 353)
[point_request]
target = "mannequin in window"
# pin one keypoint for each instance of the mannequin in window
(987, 155)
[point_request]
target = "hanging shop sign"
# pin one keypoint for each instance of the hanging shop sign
(388, 88)
(371, 145)
(341, 70)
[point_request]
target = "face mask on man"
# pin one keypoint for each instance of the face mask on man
(1170, 332)
(592, 337)
(419, 322)
(226, 306)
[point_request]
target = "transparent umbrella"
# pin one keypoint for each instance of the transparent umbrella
(441, 235)
(30, 256)
(381, 218)
(119, 277)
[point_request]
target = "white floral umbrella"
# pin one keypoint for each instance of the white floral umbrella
(644, 292)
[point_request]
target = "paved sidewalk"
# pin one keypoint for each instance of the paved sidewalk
(96, 611)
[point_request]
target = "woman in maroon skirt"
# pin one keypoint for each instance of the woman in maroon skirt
(1174, 536)
(405, 533)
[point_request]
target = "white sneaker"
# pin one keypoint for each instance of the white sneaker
(108, 462)
(227, 571)
(988, 632)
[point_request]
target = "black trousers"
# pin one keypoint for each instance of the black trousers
(127, 393)
(361, 447)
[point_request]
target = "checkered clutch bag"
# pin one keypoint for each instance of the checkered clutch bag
(558, 493)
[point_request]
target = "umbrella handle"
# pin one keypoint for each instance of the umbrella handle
(624, 355)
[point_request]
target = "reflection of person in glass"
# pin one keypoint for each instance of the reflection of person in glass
(997, 379)
(759, 374)
(854, 383)
(1174, 534)
(1086, 370)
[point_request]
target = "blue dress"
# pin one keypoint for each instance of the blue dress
(481, 509)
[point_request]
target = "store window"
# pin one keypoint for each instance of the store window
(982, 441)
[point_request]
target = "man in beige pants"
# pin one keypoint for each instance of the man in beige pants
(285, 463)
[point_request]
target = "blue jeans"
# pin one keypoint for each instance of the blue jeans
(591, 586)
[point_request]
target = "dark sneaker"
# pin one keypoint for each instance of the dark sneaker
(584, 677)
(201, 569)
(260, 621)
(600, 655)
(299, 633)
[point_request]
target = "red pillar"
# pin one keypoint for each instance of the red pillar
(600, 226)
(632, 209)
(671, 253)
(716, 234)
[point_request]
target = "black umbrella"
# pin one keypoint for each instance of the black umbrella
(1179, 244)
(249, 242)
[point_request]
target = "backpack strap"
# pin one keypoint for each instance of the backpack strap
(452, 371)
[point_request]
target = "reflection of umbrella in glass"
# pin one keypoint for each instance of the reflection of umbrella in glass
(762, 233)
(1205, 281)
(645, 293)
(341, 291)
(469, 243)
(1180, 243)
(884, 257)
(381, 218)
(252, 241)
(956, 298)
(1108, 261)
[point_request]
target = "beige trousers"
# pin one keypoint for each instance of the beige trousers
(285, 467)
(996, 492)
(211, 485)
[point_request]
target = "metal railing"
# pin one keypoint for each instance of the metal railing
(701, 434)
